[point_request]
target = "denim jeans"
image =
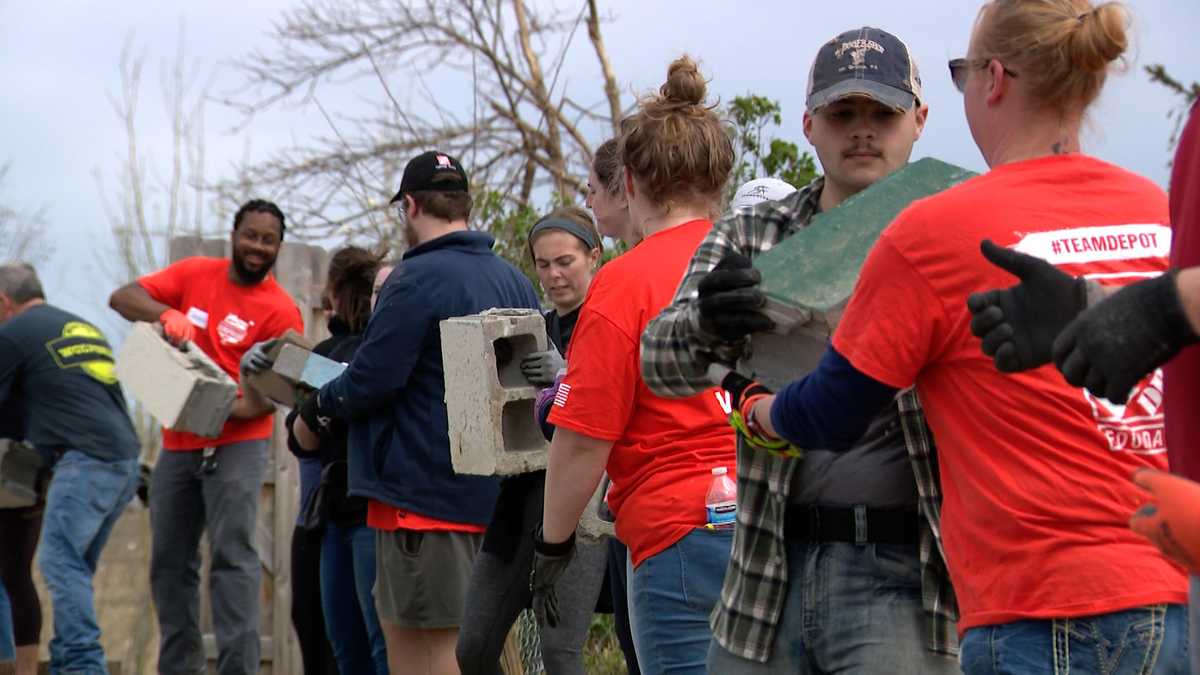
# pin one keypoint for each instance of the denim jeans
(8, 650)
(347, 578)
(671, 595)
(850, 608)
(1149, 640)
(85, 498)
(185, 500)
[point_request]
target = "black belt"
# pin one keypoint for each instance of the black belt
(851, 524)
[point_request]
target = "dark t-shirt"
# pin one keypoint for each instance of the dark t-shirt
(560, 326)
(60, 369)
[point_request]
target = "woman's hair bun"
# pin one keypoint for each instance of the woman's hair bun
(684, 82)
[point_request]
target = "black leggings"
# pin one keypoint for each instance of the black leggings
(19, 530)
(307, 617)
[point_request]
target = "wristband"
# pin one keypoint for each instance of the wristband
(552, 550)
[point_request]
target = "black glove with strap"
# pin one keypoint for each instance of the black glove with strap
(310, 412)
(549, 563)
(1113, 345)
(1018, 324)
(730, 301)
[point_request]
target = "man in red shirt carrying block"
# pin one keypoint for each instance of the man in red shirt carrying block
(221, 306)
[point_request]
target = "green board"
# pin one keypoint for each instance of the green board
(814, 270)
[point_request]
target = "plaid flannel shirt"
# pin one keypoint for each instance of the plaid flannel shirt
(675, 356)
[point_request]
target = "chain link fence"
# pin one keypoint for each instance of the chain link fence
(601, 652)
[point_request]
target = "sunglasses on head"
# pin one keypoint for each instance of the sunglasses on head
(960, 67)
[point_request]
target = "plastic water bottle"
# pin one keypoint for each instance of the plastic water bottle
(721, 500)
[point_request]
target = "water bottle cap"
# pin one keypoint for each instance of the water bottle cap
(719, 471)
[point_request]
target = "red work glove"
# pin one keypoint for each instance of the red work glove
(176, 326)
(1171, 518)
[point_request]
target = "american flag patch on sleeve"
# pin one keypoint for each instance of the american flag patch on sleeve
(560, 398)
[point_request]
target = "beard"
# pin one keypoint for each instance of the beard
(248, 275)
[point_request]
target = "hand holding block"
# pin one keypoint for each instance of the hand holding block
(295, 370)
(269, 383)
(489, 403)
(810, 275)
(185, 391)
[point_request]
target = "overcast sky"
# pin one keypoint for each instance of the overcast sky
(58, 65)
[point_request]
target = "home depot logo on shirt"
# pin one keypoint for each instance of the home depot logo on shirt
(1137, 426)
(233, 329)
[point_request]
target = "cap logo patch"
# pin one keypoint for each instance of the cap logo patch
(858, 51)
(443, 162)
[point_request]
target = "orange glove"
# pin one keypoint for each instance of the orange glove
(176, 326)
(1171, 519)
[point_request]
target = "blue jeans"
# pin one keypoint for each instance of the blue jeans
(85, 498)
(853, 608)
(8, 651)
(347, 578)
(671, 595)
(1147, 640)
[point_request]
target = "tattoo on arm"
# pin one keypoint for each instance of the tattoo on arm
(1057, 148)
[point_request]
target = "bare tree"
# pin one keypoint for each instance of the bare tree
(1188, 94)
(22, 232)
(147, 204)
(502, 103)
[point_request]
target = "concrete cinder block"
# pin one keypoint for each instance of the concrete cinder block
(489, 403)
(185, 391)
(20, 465)
(808, 278)
(591, 525)
(272, 384)
(304, 368)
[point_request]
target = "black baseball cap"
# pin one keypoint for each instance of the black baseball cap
(864, 62)
(432, 170)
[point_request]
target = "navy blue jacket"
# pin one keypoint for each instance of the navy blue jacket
(393, 392)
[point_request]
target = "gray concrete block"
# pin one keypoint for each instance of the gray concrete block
(591, 525)
(304, 368)
(185, 391)
(272, 384)
(19, 468)
(489, 403)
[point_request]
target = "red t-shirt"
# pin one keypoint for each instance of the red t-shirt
(1035, 472)
(664, 449)
(1183, 372)
(381, 516)
(229, 319)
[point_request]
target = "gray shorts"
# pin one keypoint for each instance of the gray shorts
(421, 578)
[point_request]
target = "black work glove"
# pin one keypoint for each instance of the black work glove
(1116, 343)
(310, 412)
(540, 368)
(1018, 324)
(549, 563)
(730, 301)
